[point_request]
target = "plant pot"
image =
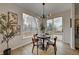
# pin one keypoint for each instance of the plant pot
(7, 51)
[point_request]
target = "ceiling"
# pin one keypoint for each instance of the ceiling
(37, 8)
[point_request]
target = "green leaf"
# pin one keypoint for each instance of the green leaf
(4, 26)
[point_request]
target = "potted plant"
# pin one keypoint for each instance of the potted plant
(7, 31)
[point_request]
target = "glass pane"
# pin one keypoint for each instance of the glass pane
(26, 22)
(30, 24)
(49, 25)
(58, 24)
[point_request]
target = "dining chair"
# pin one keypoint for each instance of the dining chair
(35, 42)
(53, 44)
(46, 33)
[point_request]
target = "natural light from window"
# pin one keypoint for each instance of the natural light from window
(30, 25)
(54, 24)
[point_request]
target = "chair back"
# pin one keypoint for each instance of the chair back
(55, 39)
(46, 33)
(34, 39)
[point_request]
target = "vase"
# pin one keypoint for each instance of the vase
(7, 51)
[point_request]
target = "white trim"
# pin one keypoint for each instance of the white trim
(21, 45)
(26, 43)
(72, 44)
(27, 37)
(18, 46)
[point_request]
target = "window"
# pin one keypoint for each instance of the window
(58, 24)
(30, 24)
(55, 24)
(49, 25)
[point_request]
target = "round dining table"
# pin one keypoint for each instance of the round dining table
(43, 38)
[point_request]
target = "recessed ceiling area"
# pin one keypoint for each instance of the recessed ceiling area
(37, 8)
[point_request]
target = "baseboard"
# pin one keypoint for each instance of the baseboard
(27, 43)
(21, 45)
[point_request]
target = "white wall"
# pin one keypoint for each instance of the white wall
(72, 33)
(18, 40)
(66, 25)
(68, 33)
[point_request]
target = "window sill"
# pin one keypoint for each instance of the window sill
(27, 37)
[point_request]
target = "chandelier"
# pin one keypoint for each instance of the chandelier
(42, 27)
(43, 15)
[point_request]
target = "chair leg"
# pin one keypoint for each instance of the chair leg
(37, 49)
(47, 46)
(55, 49)
(32, 48)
